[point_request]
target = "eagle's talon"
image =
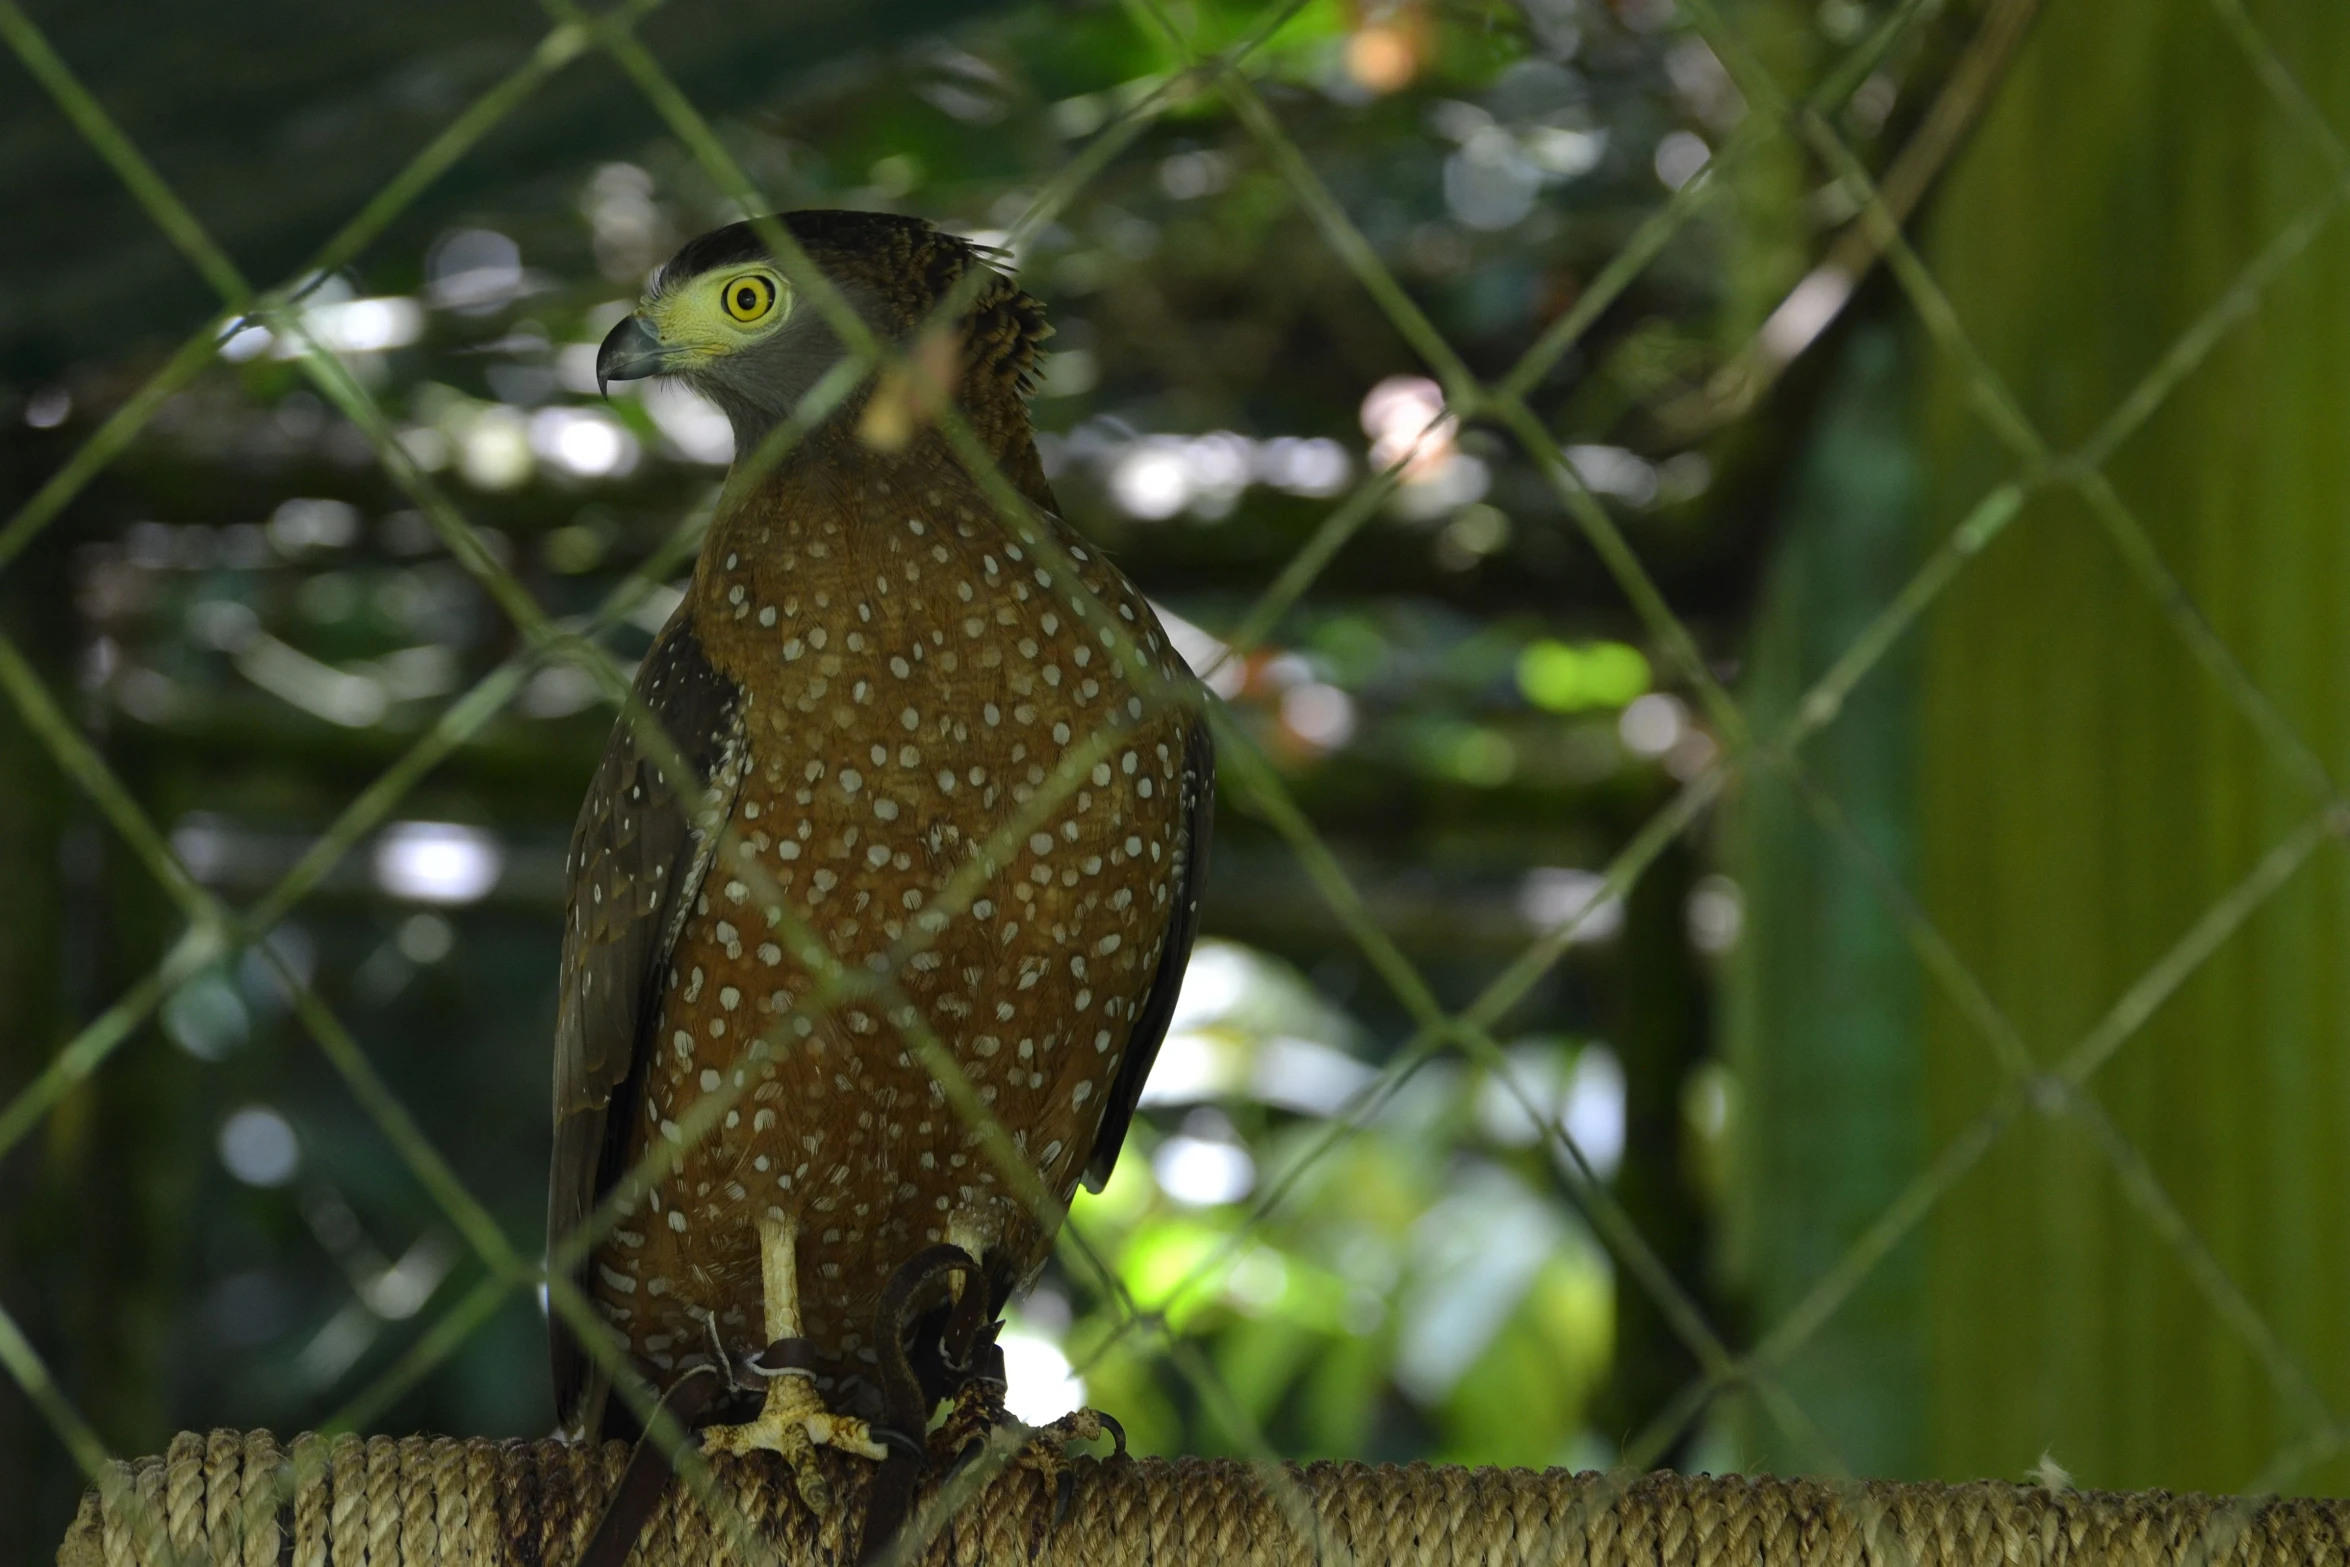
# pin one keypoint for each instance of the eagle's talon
(794, 1422)
(1084, 1425)
(979, 1420)
(1047, 1450)
(1101, 1423)
(974, 1418)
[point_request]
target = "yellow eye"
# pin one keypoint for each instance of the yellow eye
(750, 297)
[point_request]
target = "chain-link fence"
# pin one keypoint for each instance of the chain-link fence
(1221, 67)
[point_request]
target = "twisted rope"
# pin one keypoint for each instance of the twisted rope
(241, 1500)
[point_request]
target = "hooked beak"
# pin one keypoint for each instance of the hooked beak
(630, 353)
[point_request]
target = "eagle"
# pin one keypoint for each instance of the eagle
(876, 688)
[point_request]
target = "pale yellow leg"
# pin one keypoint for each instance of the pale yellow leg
(793, 1420)
(962, 1232)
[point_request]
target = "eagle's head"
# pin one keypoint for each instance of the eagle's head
(723, 315)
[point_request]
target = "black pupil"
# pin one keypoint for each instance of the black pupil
(746, 298)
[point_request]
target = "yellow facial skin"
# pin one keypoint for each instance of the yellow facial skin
(719, 313)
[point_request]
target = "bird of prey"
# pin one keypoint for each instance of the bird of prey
(871, 687)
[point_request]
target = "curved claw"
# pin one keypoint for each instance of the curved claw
(1079, 1425)
(890, 1436)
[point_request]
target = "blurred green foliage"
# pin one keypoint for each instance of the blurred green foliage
(1563, 679)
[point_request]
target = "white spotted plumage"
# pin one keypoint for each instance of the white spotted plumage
(847, 1132)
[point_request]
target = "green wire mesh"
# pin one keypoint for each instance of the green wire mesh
(214, 929)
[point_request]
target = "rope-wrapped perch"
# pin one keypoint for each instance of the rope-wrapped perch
(238, 1499)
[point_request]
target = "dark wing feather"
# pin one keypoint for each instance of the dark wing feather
(1150, 1023)
(637, 855)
